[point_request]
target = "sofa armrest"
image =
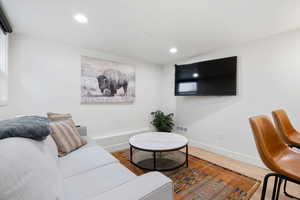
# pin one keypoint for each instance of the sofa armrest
(82, 130)
(150, 186)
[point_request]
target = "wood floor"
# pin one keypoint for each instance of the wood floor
(246, 169)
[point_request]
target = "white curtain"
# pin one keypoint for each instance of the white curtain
(3, 69)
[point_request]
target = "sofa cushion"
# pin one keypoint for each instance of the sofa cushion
(52, 146)
(29, 171)
(66, 136)
(155, 186)
(90, 142)
(85, 159)
(96, 181)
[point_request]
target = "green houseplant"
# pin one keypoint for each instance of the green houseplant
(162, 122)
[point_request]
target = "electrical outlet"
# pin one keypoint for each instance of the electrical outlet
(178, 128)
(181, 129)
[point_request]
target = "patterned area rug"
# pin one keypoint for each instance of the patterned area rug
(202, 180)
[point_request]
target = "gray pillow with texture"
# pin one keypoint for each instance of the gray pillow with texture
(33, 127)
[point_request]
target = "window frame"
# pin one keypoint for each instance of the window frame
(3, 68)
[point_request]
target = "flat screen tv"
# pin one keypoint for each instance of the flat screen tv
(207, 78)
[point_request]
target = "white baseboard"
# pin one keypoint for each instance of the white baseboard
(118, 141)
(117, 147)
(227, 153)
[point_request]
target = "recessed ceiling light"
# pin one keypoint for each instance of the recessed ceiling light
(195, 75)
(81, 18)
(173, 50)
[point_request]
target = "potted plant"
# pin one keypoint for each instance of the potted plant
(162, 122)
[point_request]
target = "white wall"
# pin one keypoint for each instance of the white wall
(45, 76)
(268, 79)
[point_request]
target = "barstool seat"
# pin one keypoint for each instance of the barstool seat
(276, 155)
(285, 128)
(289, 163)
(295, 139)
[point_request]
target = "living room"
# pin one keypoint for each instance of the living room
(51, 42)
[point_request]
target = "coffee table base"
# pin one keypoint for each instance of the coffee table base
(159, 160)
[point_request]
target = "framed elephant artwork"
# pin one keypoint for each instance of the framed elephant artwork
(104, 81)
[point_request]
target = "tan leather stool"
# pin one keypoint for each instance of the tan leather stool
(275, 154)
(285, 128)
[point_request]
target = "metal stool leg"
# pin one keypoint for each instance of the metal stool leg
(286, 193)
(274, 188)
(278, 188)
(265, 184)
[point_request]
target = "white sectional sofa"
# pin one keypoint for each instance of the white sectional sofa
(31, 170)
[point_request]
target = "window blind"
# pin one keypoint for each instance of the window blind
(3, 69)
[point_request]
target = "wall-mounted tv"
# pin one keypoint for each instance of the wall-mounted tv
(208, 78)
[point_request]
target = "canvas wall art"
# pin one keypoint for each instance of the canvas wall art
(104, 81)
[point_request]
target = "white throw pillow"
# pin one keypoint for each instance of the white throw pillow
(29, 171)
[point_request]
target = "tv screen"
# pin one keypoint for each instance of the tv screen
(207, 78)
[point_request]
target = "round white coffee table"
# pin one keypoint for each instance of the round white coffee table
(159, 151)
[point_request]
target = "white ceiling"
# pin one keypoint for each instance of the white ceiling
(146, 29)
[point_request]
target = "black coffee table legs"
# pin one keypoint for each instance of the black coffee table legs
(131, 154)
(157, 162)
(187, 156)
